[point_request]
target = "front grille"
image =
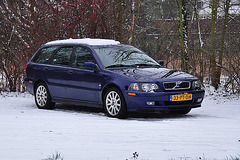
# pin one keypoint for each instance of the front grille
(179, 85)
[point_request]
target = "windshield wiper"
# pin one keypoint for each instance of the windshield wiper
(169, 73)
(133, 65)
(117, 65)
(142, 64)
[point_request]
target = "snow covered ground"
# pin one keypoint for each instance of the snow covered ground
(27, 133)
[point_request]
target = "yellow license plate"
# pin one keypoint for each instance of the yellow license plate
(181, 97)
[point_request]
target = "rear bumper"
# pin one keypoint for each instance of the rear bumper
(29, 85)
(161, 101)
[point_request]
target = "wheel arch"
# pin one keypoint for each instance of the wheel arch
(36, 83)
(109, 86)
(48, 104)
(122, 110)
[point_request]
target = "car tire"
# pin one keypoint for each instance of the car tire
(184, 111)
(114, 103)
(42, 97)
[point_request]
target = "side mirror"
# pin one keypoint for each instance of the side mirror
(90, 65)
(161, 62)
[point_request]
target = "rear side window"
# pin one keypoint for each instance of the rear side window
(44, 55)
(82, 55)
(62, 57)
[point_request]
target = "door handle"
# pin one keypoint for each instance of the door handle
(45, 68)
(70, 71)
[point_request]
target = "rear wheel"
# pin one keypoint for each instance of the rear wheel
(42, 97)
(114, 103)
(184, 111)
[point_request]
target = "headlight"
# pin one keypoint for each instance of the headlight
(196, 84)
(146, 87)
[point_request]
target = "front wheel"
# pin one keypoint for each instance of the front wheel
(42, 97)
(114, 103)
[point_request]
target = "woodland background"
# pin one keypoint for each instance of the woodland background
(201, 37)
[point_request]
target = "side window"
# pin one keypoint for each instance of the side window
(62, 57)
(44, 55)
(82, 55)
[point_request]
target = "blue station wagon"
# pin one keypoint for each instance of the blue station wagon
(104, 73)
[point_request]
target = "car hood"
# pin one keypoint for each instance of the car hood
(152, 74)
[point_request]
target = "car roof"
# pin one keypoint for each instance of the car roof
(86, 41)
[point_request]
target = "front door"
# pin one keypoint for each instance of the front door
(83, 84)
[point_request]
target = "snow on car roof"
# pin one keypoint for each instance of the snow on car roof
(89, 41)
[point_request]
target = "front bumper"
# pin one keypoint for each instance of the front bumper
(140, 102)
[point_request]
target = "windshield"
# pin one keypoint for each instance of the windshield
(119, 56)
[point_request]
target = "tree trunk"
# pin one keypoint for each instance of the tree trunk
(218, 72)
(213, 40)
(200, 42)
(120, 20)
(12, 87)
(134, 22)
(184, 35)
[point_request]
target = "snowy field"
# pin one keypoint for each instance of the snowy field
(27, 133)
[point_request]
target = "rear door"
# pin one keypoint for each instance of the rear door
(36, 68)
(83, 84)
(57, 71)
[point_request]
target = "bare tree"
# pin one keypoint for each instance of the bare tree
(213, 42)
(200, 42)
(133, 21)
(29, 24)
(184, 35)
(120, 17)
(220, 58)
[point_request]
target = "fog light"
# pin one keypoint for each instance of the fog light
(199, 100)
(151, 103)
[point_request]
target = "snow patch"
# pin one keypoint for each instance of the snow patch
(88, 41)
(29, 133)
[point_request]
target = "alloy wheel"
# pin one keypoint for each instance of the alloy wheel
(41, 96)
(113, 103)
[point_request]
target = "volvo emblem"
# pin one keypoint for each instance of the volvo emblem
(178, 84)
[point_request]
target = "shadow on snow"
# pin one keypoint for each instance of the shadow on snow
(142, 116)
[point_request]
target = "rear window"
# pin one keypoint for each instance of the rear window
(44, 55)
